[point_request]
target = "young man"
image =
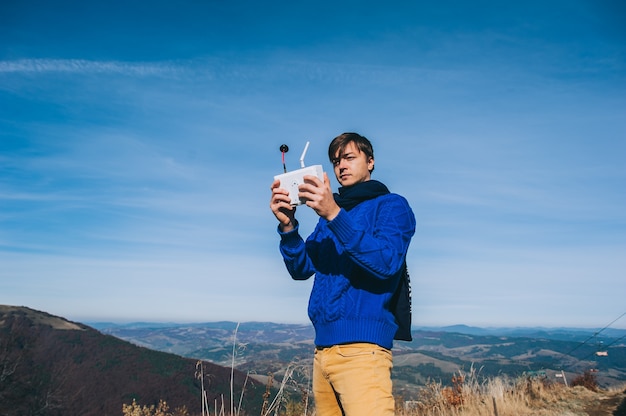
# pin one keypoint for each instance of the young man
(357, 254)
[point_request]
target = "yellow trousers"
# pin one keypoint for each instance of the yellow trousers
(353, 380)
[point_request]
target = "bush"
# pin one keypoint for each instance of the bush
(587, 380)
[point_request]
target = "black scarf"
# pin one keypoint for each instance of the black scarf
(351, 196)
(400, 305)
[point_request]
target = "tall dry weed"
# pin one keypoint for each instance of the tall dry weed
(276, 400)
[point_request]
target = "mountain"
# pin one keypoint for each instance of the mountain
(435, 354)
(51, 366)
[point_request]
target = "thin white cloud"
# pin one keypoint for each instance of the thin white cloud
(82, 66)
(281, 69)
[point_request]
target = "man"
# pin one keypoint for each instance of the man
(357, 254)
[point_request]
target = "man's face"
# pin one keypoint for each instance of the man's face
(353, 166)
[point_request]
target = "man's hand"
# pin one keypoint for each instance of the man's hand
(319, 196)
(280, 204)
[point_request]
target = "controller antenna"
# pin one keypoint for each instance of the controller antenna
(284, 149)
(306, 147)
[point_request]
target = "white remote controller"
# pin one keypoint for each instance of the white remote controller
(292, 180)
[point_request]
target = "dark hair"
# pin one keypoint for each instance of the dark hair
(339, 143)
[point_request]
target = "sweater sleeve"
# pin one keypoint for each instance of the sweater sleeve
(293, 250)
(378, 245)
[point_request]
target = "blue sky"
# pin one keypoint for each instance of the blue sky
(138, 141)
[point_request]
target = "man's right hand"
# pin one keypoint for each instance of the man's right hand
(280, 204)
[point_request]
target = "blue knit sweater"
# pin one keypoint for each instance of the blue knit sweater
(357, 259)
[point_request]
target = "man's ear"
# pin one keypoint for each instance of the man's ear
(370, 164)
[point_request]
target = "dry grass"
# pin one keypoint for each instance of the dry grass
(467, 396)
(503, 396)
(162, 409)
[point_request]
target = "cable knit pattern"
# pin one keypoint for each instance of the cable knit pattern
(357, 260)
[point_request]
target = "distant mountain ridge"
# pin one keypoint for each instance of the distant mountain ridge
(51, 366)
(562, 333)
(306, 330)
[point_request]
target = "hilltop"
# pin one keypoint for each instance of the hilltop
(51, 366)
